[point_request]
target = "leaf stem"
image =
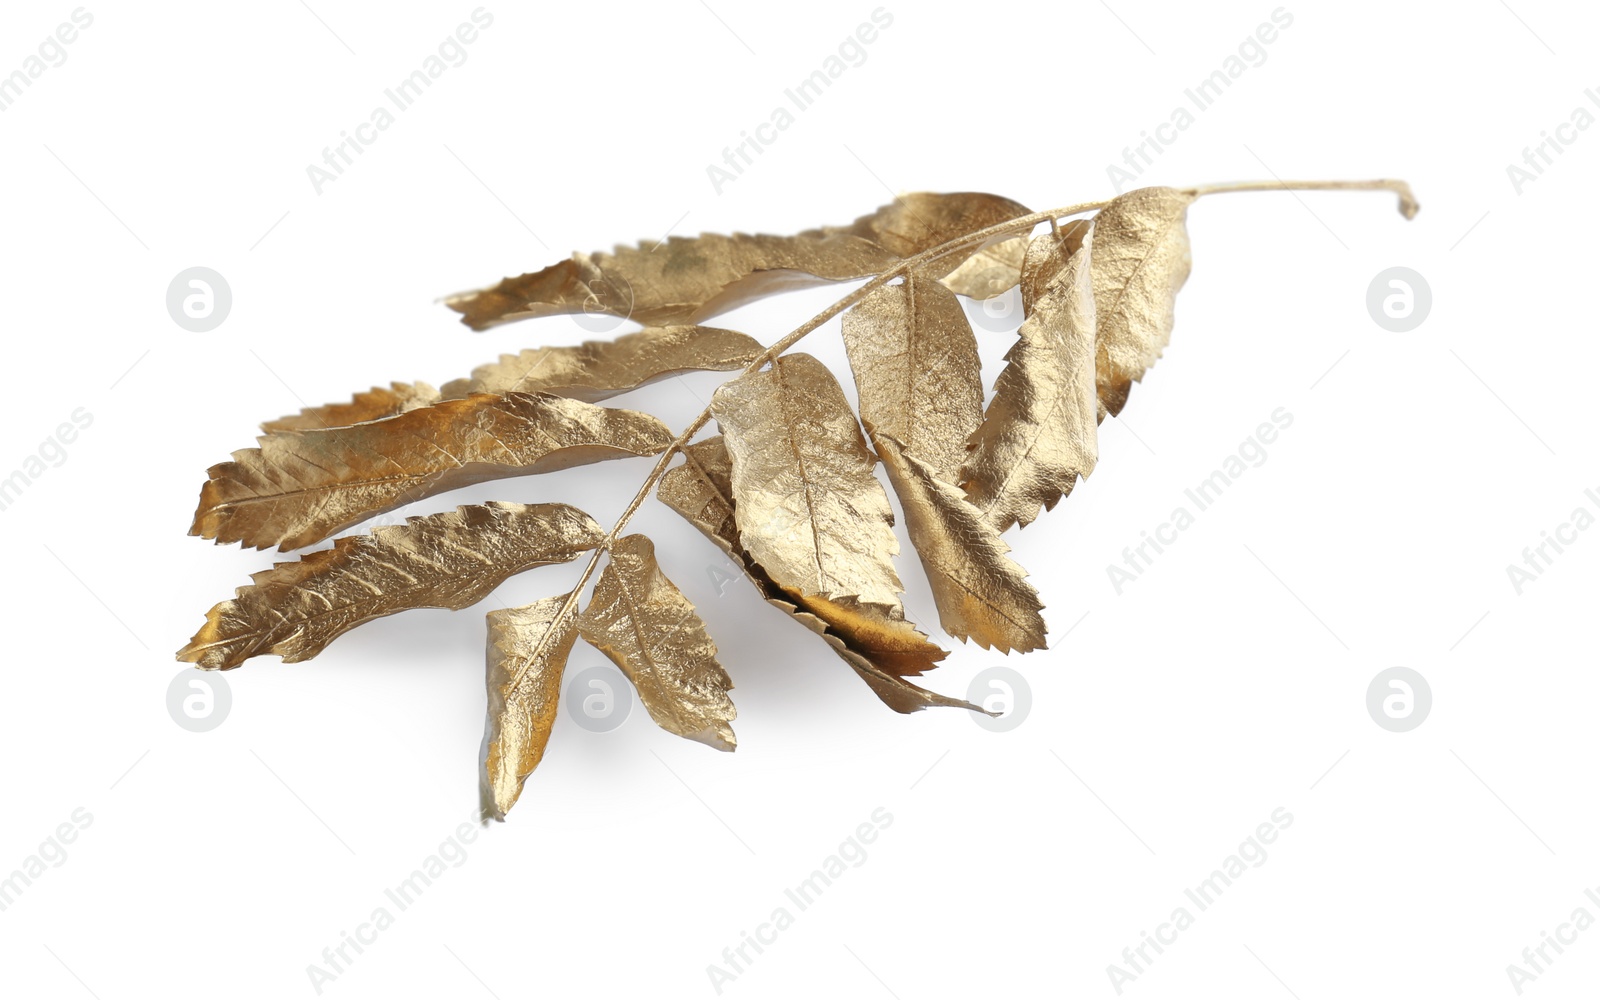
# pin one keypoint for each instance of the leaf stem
(1408, 201)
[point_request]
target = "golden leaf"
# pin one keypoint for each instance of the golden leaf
(374, 404)
(1039, 433)
(1141, 260)
(651, 631)
(448, 560)
(892, 689)
(980, 592)
(600, 369)
(300, 487)
(526, 642)
(989, 272)
(701, 489)
(880, 632)
(920, 221)
(809, 509)
(917, 370)
(686, 279)
(879, 647)
(1045, 257)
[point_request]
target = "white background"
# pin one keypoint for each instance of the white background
(1170, 722)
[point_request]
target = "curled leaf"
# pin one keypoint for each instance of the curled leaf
(449, 560)
(879, 632)
(600, 369)
(980, 592)
(917, 370)
(891, 688)
(809, 509)
(374, 404)
(532, 643)
(300, 487)
(651, 631)
(879, 647)
(1039, 433)
(686, 279)
(1141, 260)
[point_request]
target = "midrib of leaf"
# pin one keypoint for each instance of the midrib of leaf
(452, 574)
(541, 649)
(548, 351)
(644, 651)
(551, 446)
(912, 343)
(969, 588)
(805, 475)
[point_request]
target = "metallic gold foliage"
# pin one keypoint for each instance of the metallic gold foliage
(991, 271)
(917, 370)
(891, 688)
(1046, 255)
(528, 651)
(809, 509)
(880, 632)
(300, 487)
(686, 279)
(374, 404)
(881, 649)
(651, 631)
(1141, 260)
(600, 369)
(1039, 433)
(916, 222)
(980, 592)
(450, 560)
(788, 490)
